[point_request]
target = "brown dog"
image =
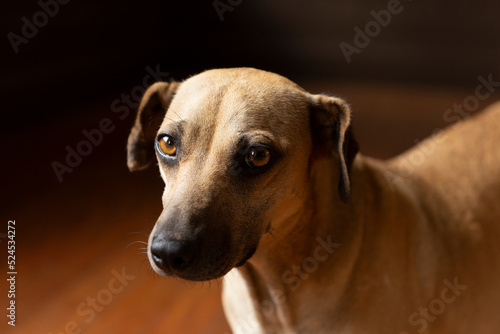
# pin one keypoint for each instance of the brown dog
(258, 177)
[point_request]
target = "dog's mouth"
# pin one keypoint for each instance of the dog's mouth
(247, 257)
(205, 266)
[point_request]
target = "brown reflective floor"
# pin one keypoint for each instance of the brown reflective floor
(79, 252)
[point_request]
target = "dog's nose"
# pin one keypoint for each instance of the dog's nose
(172, 256)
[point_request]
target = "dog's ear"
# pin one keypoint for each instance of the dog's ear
(330, 121)
(152, 109)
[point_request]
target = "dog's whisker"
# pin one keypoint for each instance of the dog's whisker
(153, 274)
(176, 114)
(171, 119)
(142, 263)
(136, 242)
(219, 283)
(189, 284)
(271, 232)
(180, 118)
(243, 269)
(142, 233)
(150, 121)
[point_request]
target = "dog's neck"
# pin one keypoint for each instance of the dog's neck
(305, 241)
(319, 214)
(322, 235)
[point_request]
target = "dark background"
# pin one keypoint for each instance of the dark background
(91, 49)
(66, 78)
(91, 52)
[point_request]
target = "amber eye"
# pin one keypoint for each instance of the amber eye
(257, 157)
(167, 146)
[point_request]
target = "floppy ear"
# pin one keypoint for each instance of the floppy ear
(331, 131)
(154, 105)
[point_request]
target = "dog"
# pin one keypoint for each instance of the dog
(264, 187)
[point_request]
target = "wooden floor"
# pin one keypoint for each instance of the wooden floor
(80, 243)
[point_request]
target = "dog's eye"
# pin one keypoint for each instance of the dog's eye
(257, 157)
(167, 146)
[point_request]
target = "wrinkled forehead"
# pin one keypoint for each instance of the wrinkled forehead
(241, 102)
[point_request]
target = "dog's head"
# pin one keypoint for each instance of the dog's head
(235, 149)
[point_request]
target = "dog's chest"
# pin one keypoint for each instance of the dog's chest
(248, 314)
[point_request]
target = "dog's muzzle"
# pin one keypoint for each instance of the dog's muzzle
(193, 256)
(200, 258)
